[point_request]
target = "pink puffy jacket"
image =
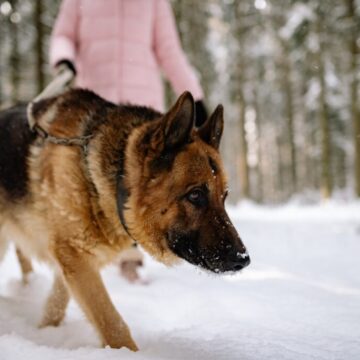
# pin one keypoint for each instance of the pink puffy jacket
(119, 46)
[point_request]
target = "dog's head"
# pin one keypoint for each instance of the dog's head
(177, 190)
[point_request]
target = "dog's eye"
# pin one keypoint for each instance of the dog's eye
(197, 197)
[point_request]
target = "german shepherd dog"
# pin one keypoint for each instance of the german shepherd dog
(141, 175)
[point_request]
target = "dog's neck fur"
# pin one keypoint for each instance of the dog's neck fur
(111, 128)
(113, 167)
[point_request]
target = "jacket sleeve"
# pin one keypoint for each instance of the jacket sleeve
(169, 53)
(63, 37)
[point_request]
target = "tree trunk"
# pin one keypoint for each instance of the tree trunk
(244, 168)
(280, 168)
(355, 113)
(286, 85)
(260, 186)
(40, 79)
(290, 124)
(326, 183)
(14, 57)
(240, 31)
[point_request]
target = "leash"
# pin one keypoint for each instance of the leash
(56, 87)
(82, 141)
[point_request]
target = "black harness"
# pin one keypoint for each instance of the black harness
(122, 195)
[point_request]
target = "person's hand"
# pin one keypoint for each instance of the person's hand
(200, 113)
(64, 65)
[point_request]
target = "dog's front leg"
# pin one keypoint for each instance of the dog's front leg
(88, 289)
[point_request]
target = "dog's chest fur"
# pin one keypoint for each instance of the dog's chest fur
(61, 207)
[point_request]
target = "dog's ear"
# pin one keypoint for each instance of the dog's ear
(211, 131)
(178, 122)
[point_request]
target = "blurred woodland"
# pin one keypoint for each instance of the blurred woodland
(287, 72)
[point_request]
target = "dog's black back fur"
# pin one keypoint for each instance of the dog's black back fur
(15, 140)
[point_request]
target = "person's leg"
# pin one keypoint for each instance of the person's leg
(130, 260)
(56, 303)
(25, 265)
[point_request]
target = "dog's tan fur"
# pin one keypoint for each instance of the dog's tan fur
(69, 216)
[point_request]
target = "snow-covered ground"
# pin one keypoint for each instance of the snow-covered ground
(299, 299)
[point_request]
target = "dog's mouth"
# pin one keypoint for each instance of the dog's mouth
(215, 260)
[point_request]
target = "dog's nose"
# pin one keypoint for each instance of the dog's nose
(238, 262)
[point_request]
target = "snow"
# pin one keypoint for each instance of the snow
(299, 299)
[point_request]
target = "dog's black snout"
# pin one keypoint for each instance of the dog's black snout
(238, 262)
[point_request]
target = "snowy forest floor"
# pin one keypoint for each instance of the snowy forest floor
(299, 299)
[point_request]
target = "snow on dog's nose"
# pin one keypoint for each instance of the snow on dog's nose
(237, 261)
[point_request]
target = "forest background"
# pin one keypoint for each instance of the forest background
(286, 71)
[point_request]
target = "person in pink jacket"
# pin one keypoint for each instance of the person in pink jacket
(118, 48)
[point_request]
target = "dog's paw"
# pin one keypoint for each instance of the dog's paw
(132, 346)
(120, 343)
(50, 321)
